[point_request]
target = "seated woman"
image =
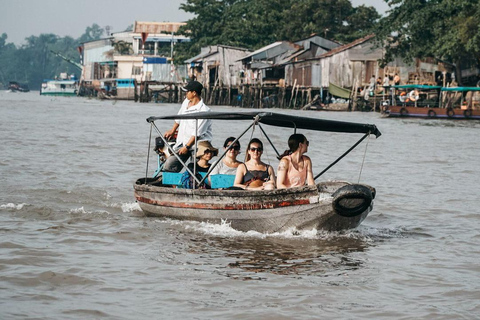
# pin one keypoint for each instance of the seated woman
(254, 174)
(205, 153)
(295, 168)
(229, 163)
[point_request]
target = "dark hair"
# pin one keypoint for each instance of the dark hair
(254, 140)
(293, 144)
(230, 139)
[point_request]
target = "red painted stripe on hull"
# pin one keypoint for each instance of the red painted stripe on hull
(211, 206)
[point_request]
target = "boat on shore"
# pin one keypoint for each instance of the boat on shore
(61, 86)
(433, 102)
(316, 104)
(117, 89)
(330, 205)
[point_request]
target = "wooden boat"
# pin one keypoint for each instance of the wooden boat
(432, 102)
(14, 86)
(334, 205)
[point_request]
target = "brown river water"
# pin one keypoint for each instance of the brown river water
(75, 245)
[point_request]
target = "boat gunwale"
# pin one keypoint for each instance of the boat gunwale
(225, 192)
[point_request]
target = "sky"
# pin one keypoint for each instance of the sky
(20, 19)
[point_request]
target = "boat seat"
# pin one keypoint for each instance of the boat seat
(222, 181)
(175, 178)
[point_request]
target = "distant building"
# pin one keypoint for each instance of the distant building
(218, 66)
(144, 54)
(260, 65)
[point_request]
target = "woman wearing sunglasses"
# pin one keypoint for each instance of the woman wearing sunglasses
(295, 168)
(255, 174)
(229, 163)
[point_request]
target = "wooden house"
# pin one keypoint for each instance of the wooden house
(354, 64)
(218, 66)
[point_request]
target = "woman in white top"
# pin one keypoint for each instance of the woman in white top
(229, 163)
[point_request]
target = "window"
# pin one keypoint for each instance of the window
(137, 71)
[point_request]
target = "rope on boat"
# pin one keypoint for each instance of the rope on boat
(255, 121)
(171, 150)
(363, 161)
(251, 136)
(148, 152)
(265, 149)
(268, 139)
(342, 156)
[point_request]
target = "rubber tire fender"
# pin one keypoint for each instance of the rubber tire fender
(403, 112)
(450, 112)
(432, 114)
(467, 113)
(352, 200)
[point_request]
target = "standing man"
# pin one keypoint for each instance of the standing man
(396, 79)
(386, 81)
(186, 127)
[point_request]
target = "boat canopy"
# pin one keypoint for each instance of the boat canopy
(462, 89)
(280, 120)
(416, 86)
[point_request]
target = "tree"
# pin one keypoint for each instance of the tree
(446, 29)
(94, 32)
(360, 22)
(255, 23)
(8, 61)
(326, 18)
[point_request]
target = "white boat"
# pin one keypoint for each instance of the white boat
(63, 86)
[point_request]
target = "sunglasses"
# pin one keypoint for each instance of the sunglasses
(256, 149)
(236, 147)
(307, 143)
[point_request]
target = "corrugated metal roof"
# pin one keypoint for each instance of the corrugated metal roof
(293, 56)
(270, 46)
(201, 56)
(347, 46)
(157, 27)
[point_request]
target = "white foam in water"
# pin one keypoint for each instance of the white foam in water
(78, 210)
(13, 206)
(130, 207)
(225, 230)
(82, 210)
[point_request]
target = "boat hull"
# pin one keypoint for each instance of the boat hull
(430, 113)
(59, 93)
(302, 208)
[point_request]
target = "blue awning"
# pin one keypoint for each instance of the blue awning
(155, 60)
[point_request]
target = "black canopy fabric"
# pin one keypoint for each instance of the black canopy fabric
(281, 120)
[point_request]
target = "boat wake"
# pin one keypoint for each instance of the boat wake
(12, 206)
(224, 230)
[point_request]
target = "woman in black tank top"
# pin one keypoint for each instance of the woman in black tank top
(255, 174)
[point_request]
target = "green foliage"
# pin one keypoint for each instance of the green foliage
(446, 29)
(33, 62)
(122, 47)
(94, 32)
(255, 23)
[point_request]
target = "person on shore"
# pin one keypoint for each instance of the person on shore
(386, 81)
(186, 127)
(229, 163)
(205, 153)
(255, 174)
(295, 168)
(396, 79)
